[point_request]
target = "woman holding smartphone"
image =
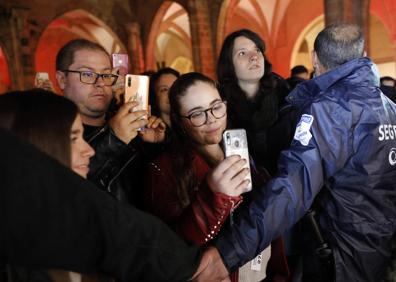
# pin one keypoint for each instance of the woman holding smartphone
(193, 187)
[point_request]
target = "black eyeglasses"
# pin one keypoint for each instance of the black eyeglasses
(199, 118)
(90, 77)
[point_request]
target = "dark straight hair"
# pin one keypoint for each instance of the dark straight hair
(65, 56)
(41, 118)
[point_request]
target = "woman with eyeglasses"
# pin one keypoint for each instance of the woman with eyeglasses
(193, 187)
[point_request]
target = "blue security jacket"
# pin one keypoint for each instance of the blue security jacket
(346, 139)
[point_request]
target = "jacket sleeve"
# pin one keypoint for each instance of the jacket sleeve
(198, 222)
(302, 172)
(111, 157)
(52, 218)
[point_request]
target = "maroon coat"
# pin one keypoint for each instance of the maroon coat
(200, 221)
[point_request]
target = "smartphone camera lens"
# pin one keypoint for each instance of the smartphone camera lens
(129, 82)
(228, 139)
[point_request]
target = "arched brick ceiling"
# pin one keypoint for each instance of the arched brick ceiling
(385, 10)
(171, 34)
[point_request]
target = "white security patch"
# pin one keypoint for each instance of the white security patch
(302, 131)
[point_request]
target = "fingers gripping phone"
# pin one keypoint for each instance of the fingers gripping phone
(235, 143)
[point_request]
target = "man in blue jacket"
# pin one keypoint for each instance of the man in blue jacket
(345, 142)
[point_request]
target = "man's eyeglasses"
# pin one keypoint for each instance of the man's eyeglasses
(90, 77)
(199, 118)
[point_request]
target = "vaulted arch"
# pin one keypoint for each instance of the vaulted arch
(170, 39)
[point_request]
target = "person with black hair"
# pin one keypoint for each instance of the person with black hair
(254, 95)
(55, 222)
(298, 74)
(193, 187)
(160, 83)
(388, 87)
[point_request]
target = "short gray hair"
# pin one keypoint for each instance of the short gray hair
(338, 44)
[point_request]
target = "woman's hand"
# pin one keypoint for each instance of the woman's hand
(229, 177)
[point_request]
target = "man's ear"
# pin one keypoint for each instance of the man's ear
(61, 79)
(314, 59)
(316, 63)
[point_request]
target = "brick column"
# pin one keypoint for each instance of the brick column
(201, 37)
(349, 11)
(15, 33)
(135, 49)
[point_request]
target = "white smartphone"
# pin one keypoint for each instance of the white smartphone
(235, 143)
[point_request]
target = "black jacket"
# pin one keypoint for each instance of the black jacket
(116, 167)
(268, 122)
(52, 218)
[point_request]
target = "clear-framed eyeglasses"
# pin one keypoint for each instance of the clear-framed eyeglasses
(199, 118)
(90, 77)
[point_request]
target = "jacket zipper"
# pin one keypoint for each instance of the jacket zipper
(119, 172)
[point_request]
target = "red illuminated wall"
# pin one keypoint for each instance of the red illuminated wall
(5, 81)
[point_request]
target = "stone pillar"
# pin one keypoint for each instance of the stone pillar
(349, 11)
(201, 37)
(135, 49)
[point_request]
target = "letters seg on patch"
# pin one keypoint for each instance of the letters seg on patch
(302, 131)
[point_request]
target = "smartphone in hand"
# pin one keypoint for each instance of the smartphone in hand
(235, 143)
(137, 89)
(121, 61)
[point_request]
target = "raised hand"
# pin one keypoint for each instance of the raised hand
(154, 131)
(229, 177)
(126, 122)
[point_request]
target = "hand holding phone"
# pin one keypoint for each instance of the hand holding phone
(137, 89)
(235, 143)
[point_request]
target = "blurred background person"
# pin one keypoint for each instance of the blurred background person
(160, 83)
(298, 74)
(387, 85)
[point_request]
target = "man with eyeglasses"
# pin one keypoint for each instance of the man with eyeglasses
(84, 74)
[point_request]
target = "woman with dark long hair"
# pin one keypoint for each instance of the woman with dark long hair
(180, 183)
(53, 125)
(255, 97)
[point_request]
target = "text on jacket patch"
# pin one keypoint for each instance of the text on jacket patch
(387, 132)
